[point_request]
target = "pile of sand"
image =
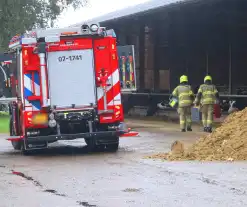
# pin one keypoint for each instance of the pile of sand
(228, 142)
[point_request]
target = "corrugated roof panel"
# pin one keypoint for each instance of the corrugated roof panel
(153, 4)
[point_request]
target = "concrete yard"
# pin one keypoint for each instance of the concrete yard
(67, 176)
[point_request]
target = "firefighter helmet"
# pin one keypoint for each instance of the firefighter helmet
(183, 78)
(207, 78)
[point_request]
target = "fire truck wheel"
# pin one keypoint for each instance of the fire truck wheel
(87, 141)
(16, 145)
(113, 147)
(91, 144)
(24, 151)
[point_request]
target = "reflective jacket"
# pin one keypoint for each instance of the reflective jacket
(184, 94)
(207, 94)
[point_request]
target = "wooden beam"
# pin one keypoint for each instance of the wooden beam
(156, 57)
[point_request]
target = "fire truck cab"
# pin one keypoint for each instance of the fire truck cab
(67, 87)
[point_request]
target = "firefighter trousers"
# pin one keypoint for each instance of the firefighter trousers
(207, 115)
(185, 117)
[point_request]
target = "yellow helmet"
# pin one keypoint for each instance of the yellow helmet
(183, 78)
(207, 78)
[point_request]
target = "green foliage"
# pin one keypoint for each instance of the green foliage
(4, 122)
(17, 16)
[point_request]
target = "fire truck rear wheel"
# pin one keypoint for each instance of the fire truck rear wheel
(24, 151)
(16, 145)
(113, 147)
(87, 141)
(91, 144)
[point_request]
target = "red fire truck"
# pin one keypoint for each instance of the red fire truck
(67, 87)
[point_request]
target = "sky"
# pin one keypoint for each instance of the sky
(95, 8)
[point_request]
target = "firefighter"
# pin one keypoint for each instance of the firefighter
(206, 97)
(185, 97)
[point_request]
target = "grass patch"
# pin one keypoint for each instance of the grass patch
(4, 122)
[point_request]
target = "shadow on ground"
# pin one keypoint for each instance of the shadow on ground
(67, 150)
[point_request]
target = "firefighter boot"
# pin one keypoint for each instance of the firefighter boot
(189, 129)
(205, 129)
(209, 130)
(183, 130)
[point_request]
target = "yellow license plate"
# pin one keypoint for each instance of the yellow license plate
(40, 119)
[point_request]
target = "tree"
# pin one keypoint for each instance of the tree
(18, 16)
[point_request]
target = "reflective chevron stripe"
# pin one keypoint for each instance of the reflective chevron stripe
(112, 99)
(29, 90)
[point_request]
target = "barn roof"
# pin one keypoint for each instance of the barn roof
(135, 10)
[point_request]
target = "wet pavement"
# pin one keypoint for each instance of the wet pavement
(67, 175)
